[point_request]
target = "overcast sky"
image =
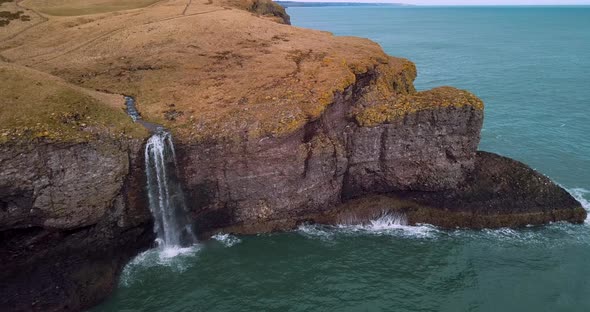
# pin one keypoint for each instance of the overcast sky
(467, 2)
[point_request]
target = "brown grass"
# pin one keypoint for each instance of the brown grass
(231, 74)
(36, 106)
(86, 7)
(411, 103)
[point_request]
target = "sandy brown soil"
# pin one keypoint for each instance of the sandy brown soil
(208, 70)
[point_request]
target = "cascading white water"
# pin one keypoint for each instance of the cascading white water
(166, 199)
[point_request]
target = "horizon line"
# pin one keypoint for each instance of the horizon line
(432, 4)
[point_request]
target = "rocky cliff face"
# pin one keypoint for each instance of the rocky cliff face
(72, 206)
(419, 148)
(71, 215)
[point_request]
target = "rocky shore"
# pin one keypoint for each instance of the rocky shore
(274, 126)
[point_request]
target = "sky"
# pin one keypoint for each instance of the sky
(468, 2)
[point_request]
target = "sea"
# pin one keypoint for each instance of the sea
(531, 66)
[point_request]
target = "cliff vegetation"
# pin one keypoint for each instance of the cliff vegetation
(209, 70)
(37, 106)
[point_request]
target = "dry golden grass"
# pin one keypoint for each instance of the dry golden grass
(36, 105)
(441, 97)
(85, 7)
(26, 19)
(209, 70)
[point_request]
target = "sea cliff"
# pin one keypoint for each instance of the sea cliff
(274, 126)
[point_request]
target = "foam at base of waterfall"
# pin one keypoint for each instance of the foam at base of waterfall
(175, 258)
(169, 252)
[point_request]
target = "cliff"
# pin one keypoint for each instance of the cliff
(274, 126)
(72, 206)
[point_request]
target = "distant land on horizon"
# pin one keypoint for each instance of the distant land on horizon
(324, 3)
(288, 4)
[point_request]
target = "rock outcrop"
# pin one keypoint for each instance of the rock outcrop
(333, 159)
(71, 216)
(499, 192)
(422, 162)
(72, 206)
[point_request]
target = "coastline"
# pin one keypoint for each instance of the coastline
(275, 127)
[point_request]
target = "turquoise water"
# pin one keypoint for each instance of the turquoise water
(532, 68)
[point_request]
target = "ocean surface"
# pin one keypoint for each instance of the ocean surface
(531, 66)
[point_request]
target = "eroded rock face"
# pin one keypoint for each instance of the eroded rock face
(332, 159)
(72, 214)
(430, 150)
(419, 147)
(499, 192)
(268, 8)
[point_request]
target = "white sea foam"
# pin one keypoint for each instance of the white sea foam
(392, 224)
(316, 231)
(505, 234)
(386, 224)
(581, 195)
(226, 239)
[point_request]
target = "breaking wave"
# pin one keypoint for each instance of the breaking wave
(581, 195)
(386, 224)
(396, 225)
(226, 239)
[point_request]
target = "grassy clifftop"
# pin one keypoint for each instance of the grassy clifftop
(37, 106)
(209, 70)
(441, 97)
(77, 7)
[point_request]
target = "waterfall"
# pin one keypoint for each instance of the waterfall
(166, 199)
(131, 109)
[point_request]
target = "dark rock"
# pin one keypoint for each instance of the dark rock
(269, 8)
(426, 157)
(72, 215)
(427, 151)
(500, 192)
